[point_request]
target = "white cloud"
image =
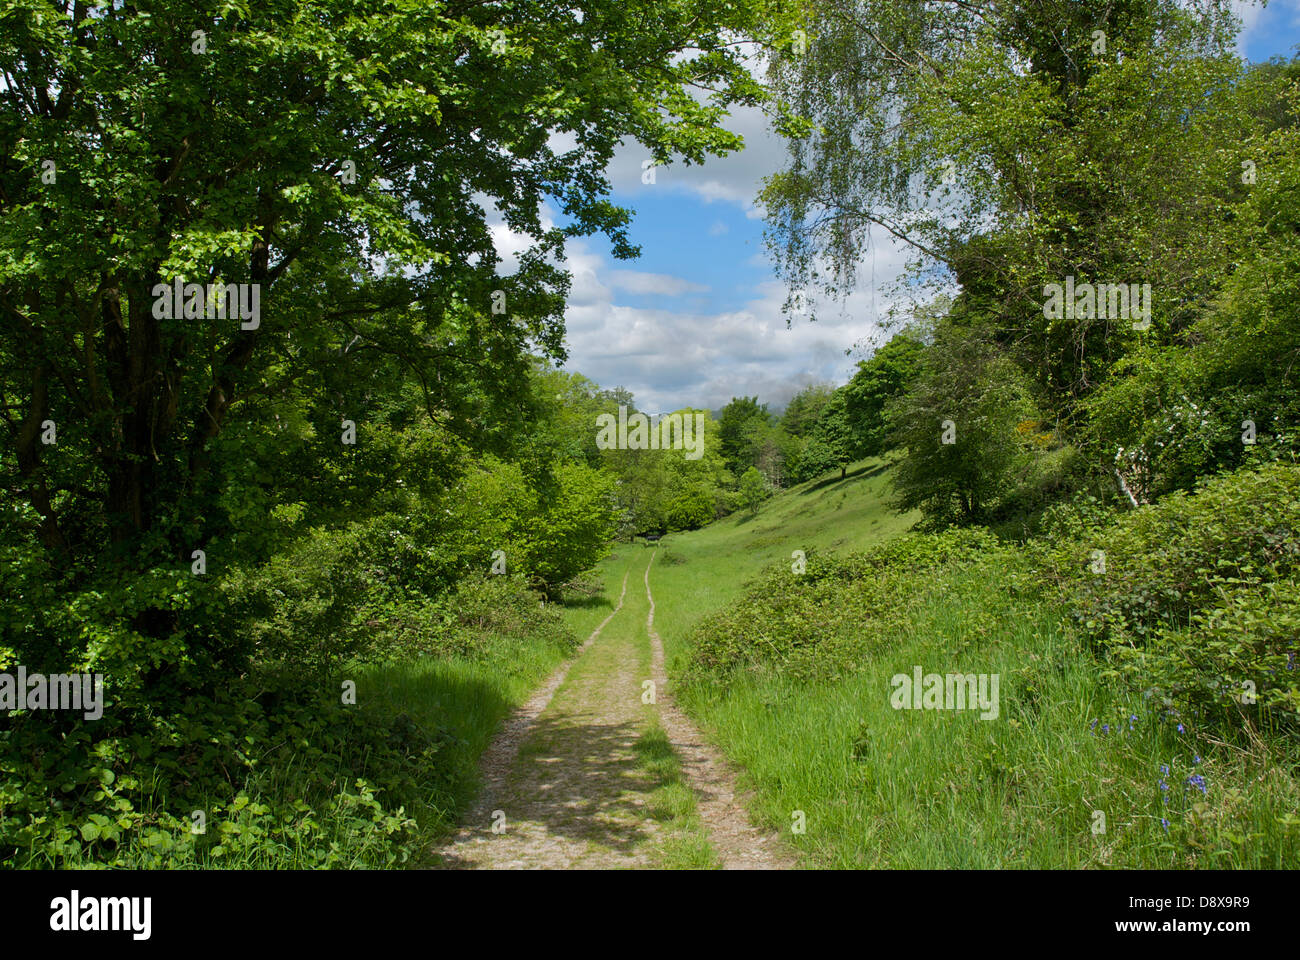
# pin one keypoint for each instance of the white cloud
(1256, 20)
(671, 358)
(1249, 14)
(734, 179)
(662, 284)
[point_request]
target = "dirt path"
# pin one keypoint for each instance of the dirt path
(736, 842)
(567, 782)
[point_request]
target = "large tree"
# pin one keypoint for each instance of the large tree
(737, 435)
(339, 158)
(886, 374)
(1009, 145)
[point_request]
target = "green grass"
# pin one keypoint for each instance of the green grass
(879, 787)
(672, 802)
(703, 570)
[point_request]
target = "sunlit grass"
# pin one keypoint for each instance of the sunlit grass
(1042, 786)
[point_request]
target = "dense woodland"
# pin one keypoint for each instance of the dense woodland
(232, 522)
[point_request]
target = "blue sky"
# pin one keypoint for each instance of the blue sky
(697, 318)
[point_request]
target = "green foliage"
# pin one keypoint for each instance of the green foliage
(818, 624)
(336, 157)
(834, 440)
(1170, 416)
(814, 458)
(754, 489)
(1024, 156)
(1198, 595)
(736, 436)
(470, 622)
(970, 428)
(884, 376)
(304, 610)
(281, 776)
(548, 533)
(653, 487)
(1028, 154)
(804, 408)
(571, 530)
(691, 510)
(287, 775)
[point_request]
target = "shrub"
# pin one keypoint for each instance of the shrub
(690, 510)
(959, 424)
(1198, 592)
(304, 607)
(754, 489)
(283, 777)
(819, 623)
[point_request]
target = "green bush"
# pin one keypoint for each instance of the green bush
(971, 430)
(691, 510)
(754, 489)
(1197, 595)
(819, 623)
(283, 777)
(304, 608)
(549, 532)
(466, 622)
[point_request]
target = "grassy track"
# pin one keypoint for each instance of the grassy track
(595, 783)
(469, 697)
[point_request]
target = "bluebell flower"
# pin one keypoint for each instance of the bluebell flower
(1180, 729)
(1197, 781)
(1196, 759)
(1105, 728)
(1164, 823)
(1164, 768)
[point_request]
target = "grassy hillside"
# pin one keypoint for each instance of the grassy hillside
(1079, 768)
(703, 570)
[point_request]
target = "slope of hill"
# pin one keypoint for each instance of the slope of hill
(1070, 759)
(704, 569)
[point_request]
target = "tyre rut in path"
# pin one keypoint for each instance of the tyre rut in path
(468, 847)
(562, 782)
(737, 844)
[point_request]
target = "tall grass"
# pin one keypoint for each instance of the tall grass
(1077, 771)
